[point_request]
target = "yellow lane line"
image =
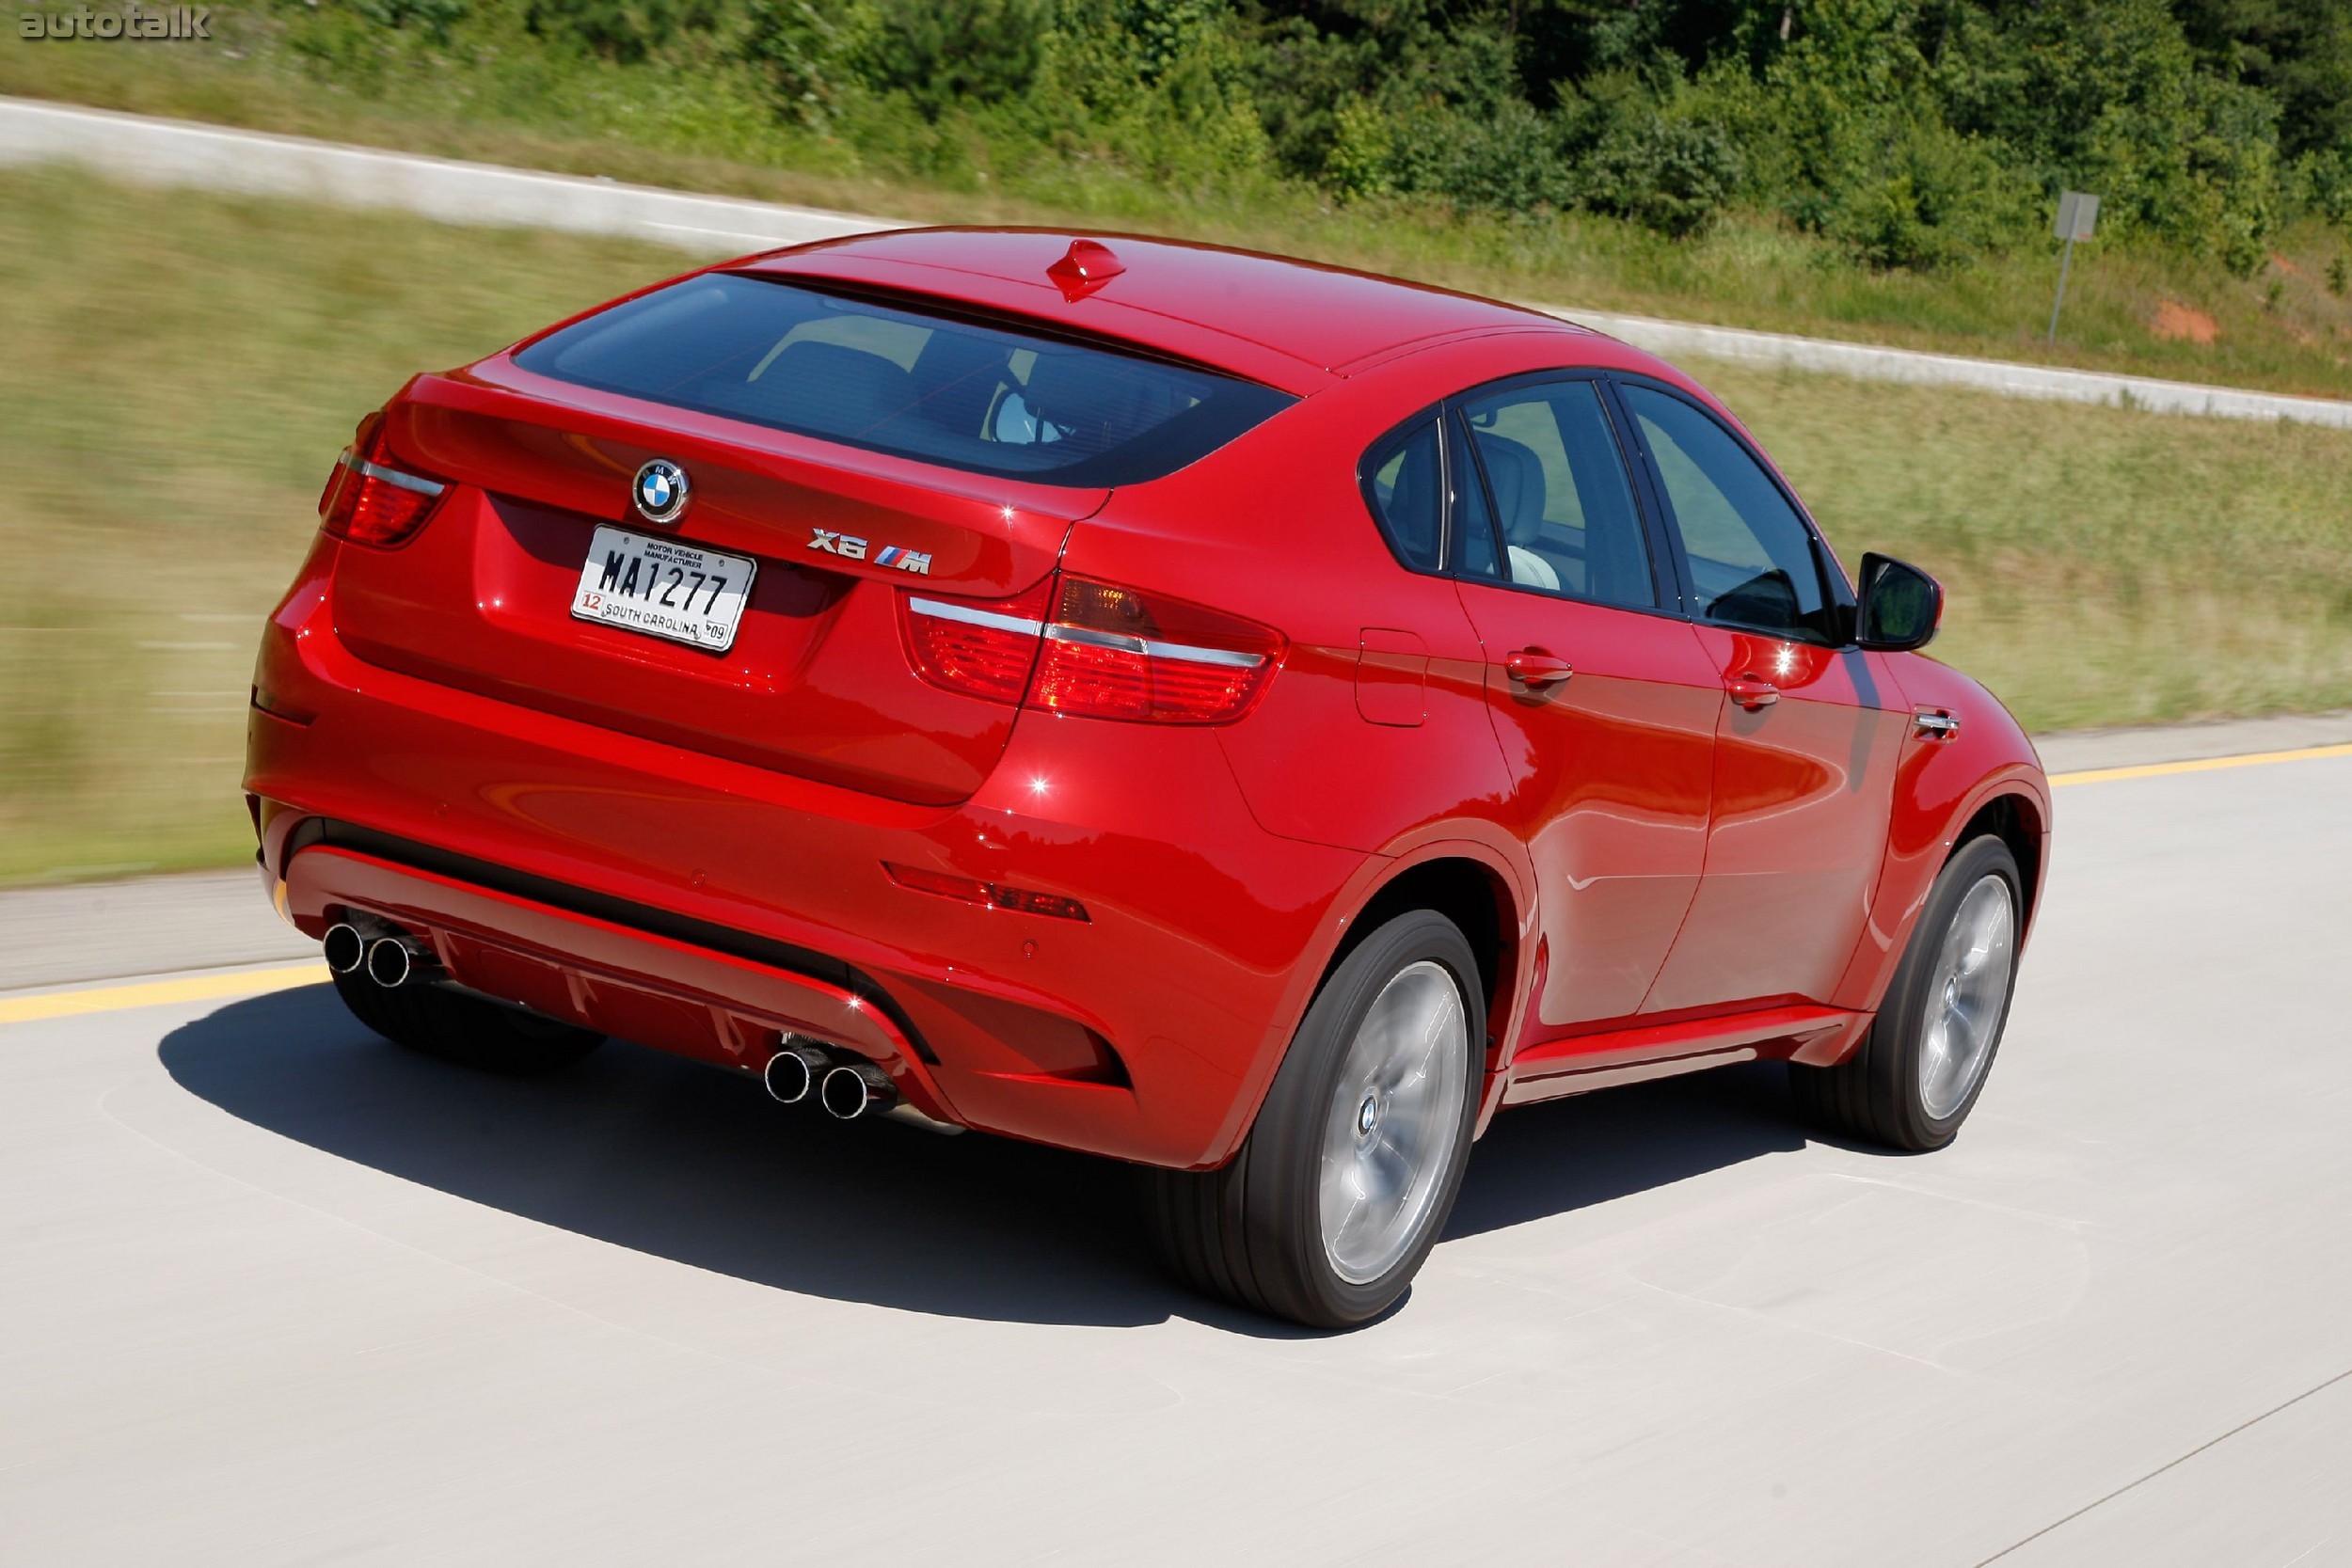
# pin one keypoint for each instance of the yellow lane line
(149, 993)
(2201, 765)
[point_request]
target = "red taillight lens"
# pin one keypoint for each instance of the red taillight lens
(1082, 647)
(1112, 653)
(982, 648)
(371, 502)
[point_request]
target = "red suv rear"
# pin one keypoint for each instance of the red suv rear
(1165, 702)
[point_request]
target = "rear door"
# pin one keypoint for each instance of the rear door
(1808, 734)
(1603, 702)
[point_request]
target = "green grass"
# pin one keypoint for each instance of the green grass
(2283, 329)
(180, 373)
(182, 369)
(2102, 566)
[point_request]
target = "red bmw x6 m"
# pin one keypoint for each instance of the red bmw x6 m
(1246, 718)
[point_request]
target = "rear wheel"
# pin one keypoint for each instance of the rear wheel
(1330, 1209)
(1918, 1073)
(466, 1030)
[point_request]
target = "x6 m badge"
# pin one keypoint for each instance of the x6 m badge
(850, 547)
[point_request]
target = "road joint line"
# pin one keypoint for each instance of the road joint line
(2171, 1464)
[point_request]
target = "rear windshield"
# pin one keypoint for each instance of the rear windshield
(979, 397)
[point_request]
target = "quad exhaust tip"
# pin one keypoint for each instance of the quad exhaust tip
(393, 961)
(792, 1073)
(855, 1089)
(344, 948)
(803, 1071)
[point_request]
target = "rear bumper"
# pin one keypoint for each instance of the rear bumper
(697, 999)
(703, 905)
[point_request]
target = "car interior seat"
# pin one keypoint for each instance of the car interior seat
(1516, 477)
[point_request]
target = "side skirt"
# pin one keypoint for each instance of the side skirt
(1582, 1063)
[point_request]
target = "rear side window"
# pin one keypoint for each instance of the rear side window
(1405, 484)
(985, 399)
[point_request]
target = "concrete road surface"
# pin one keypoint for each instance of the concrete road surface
(272, 1292)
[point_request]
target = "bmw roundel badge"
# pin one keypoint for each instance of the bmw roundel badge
(660, 491)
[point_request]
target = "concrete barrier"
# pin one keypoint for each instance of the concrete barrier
(1674, 340)
(139, 148)
(144, 150)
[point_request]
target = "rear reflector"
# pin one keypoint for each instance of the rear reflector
(1105, 653)
(369, 502)
(994, 894)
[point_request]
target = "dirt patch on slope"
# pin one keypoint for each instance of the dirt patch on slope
(2181, 323)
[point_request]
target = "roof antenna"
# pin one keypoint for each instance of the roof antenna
(1087, 267)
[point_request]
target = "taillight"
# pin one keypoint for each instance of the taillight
(371, 502)
(1081, 647)
(982, 648)
(1112, 653)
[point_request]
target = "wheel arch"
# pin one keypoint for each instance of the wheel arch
(1471, 880)
(2009, 801)
(2018, 820)
(1480, 902)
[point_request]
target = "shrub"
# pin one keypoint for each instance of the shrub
(1362, 139)
(1933, 198)
(2324, 181)
(944, 53)
(810, 60)
(1508, 161)
(1671, 175)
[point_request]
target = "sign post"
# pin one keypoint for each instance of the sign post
(2076, 215)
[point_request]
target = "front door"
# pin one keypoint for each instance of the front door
(1603, 700)
(1808, 736)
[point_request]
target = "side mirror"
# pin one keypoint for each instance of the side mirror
(1900, 606)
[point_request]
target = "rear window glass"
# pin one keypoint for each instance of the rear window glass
(979, 397)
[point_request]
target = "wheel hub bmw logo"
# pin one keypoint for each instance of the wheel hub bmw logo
(660, 491)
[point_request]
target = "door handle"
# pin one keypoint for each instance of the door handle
(1532, 667)
(1753, 692)
(1936, 723)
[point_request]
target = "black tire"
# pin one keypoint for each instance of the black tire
(1881, 1093)
(465, 1030)
(1253, 1233)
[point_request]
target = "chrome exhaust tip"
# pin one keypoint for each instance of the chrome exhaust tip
(853, 1089)
(393, 961)
(343, 948)
(791, 1074)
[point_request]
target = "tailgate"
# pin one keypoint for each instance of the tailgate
(816, 681)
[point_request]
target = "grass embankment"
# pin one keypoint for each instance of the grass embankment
(2130, 306)
(182, 369)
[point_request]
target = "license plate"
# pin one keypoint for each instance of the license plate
(663, 587)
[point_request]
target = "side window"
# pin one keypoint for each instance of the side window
(1477, 552)
(1405, 486)
(1561, 504)
(1752, 556)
